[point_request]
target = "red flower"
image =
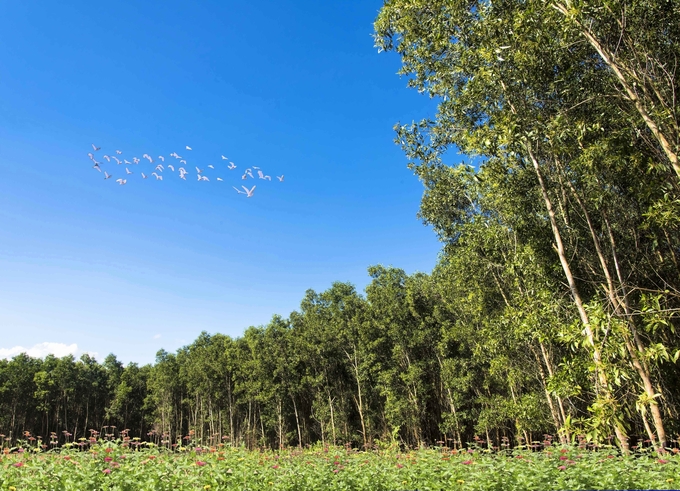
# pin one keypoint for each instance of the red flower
(107, 459)
(200, 463)
(563, 457)
(467, 462)
(107, 471)
(275, 467)
(19, 464)
(662, 461)
(399, 466)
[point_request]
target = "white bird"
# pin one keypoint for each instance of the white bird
(121, 181)
(219, 179)
(199, 170)
(117, 161)
(211, 166)
(148, 157)
(174, 154)
(203, 178)
(171, 168)
(144, 176)
(225, 158)
(231, 166)
(95, 162)
(96, 147)
(158, 178)
(244, 176)
(135, 160)
(280, 178)
(128, 171)
(159, 167)
(183, 162)
(238, 190)
(125, 161)
(96, 166)
(108, 159)
(249, 192)
(269, 178)
(255, 167)
(250, 173)
(107, 175)
(182, 176)
(118, 152)
(89, 154)
(182, 170)
(188, 147)
(260, 174)
(162, 158)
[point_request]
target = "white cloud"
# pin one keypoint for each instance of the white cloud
(157, 336)
(41, 350)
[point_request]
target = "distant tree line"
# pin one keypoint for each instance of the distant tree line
(554, 304)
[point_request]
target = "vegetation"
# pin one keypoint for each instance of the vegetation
(553, 307)
(113, 466)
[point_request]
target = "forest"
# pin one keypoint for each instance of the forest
(553, 307)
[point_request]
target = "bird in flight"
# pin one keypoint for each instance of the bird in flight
(210, 166)
(219, 179)
(183, 162)
(158, 178)
(280, 178)
(171, 167)
(162, 158)
(125, 161)
(96, 147)
(108, 159)
(203, 178)
(144, 176)
(121, 181)
(225, 158)
(249, 192)
(118, 152)
(128, 171)
(188, 147)
(96, 166)
(90, 155)
(117, 161)
(231, 166)
(199, 170)
(238, 190)
(159, 167)
(106, 175)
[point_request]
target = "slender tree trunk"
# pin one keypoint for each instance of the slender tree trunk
(597, 358)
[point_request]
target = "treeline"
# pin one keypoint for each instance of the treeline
(554, 304)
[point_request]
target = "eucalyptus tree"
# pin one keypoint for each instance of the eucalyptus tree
(519, 88)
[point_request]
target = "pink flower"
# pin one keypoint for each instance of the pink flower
(19, 464)
(563, 457)
(335, 471)
(107, 471)
(399, 466)
(275, 467)
(467, 462)
(662, 461)
(107, 459)
(200, 463)
(562, 467)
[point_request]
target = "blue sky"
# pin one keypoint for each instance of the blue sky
(294, 87)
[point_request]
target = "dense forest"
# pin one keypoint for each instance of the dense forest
(554, 304)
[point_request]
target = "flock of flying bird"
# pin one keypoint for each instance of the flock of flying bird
(161, 166)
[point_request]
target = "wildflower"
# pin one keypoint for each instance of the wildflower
(662, 461)
(108, 450)
(399, 466)
(207, 486)
(460, 481)
(275, 467)
(229, 471)
(335, 471)
(107, 459)
(563, 457)
(19, 464)
(12, 488)
(562, 467)
(107, 471)
(200, 463)
(467, 462)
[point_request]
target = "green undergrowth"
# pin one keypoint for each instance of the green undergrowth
(114, 467)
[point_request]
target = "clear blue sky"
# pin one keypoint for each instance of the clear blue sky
(294, 87)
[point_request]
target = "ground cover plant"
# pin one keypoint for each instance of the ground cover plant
(143, 466)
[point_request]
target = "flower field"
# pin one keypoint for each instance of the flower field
(115, 467)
